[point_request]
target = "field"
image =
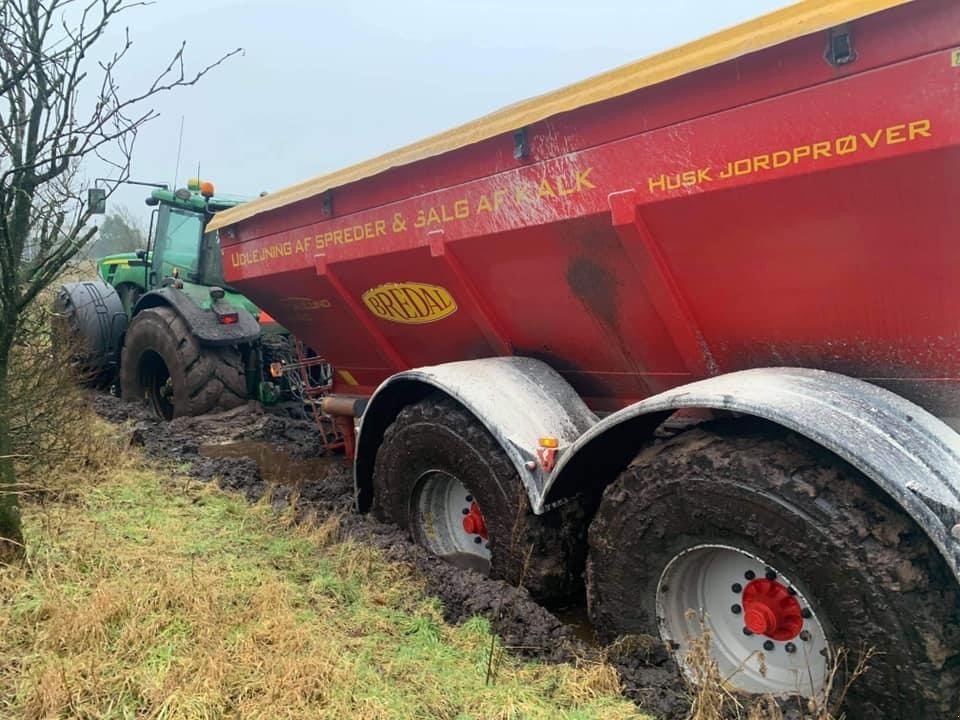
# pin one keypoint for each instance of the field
(149, 594)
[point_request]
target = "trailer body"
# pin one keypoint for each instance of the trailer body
(762, 223)
(773, 209)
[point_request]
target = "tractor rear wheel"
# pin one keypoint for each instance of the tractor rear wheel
(784, 554)
(441, 476)
(164, 363)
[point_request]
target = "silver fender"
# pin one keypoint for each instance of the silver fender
(519, 400)
(913, 456)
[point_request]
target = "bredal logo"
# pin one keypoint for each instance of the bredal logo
(409, 302)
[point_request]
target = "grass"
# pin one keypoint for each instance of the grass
(150, 597)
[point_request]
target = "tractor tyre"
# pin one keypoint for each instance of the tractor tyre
(87, 328)
(440, 475)
(164, 364)
(778, 549)
(129, 295)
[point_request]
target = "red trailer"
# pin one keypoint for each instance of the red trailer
(688, 330)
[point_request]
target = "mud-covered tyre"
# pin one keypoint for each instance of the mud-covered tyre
(436, 466)
(747, 489)
(164, 364)
(87, 328)
(129, 294)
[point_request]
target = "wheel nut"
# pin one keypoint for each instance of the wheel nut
(747, 631)
(469, 498)
(768, 645)
(770, 574)
(478, 539)
(466, 511)
(806, 613)
(790, 648)
(749, 574)
(735, 609)
(737, 588)
(805, 635)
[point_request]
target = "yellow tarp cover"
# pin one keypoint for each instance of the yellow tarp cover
(777, 27)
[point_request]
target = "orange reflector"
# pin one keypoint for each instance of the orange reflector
(276, 369)
(265, 317)
(549, 442)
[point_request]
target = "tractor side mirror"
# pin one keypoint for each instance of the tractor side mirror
(97, 201)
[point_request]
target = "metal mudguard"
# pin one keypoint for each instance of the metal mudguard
(203, 323)
(519, 400)
(913, 456)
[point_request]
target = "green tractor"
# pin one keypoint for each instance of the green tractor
(161, 325)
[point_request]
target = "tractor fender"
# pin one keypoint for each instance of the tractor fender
(202, 323)
(519, 400)
(911, 455)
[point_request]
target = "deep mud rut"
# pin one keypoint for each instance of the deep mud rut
(252, 451)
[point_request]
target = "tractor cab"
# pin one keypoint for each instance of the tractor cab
(179, 249)
(179, 252)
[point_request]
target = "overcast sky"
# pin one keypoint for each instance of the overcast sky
(323, 84)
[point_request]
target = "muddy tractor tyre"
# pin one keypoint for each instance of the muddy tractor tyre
(785, 549)
(129, 294)
(441, 476)
(87, 328)
(164, 364)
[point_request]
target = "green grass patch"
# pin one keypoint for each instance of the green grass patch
(145, 597)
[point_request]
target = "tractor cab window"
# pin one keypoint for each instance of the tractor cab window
(178, 243)
(212, 265)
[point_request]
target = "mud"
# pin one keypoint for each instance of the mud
(253, 452)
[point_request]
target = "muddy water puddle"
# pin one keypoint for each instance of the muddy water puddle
(578, 621)
(276, 466)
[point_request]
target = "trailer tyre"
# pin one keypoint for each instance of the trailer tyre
(715, 516)
(164, 363)
(442, 477)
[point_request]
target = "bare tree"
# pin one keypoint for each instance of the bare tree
(58, 108)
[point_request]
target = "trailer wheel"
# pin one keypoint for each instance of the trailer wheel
(785, 554)
(442, 477)
(163, 363)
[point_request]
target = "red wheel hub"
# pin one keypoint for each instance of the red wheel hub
(473, 522)
(769, 609)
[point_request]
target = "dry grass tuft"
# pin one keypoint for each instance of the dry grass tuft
(156, 598)
(711, 700)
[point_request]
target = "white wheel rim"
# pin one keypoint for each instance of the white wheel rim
(441, 504)
(721, 590)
